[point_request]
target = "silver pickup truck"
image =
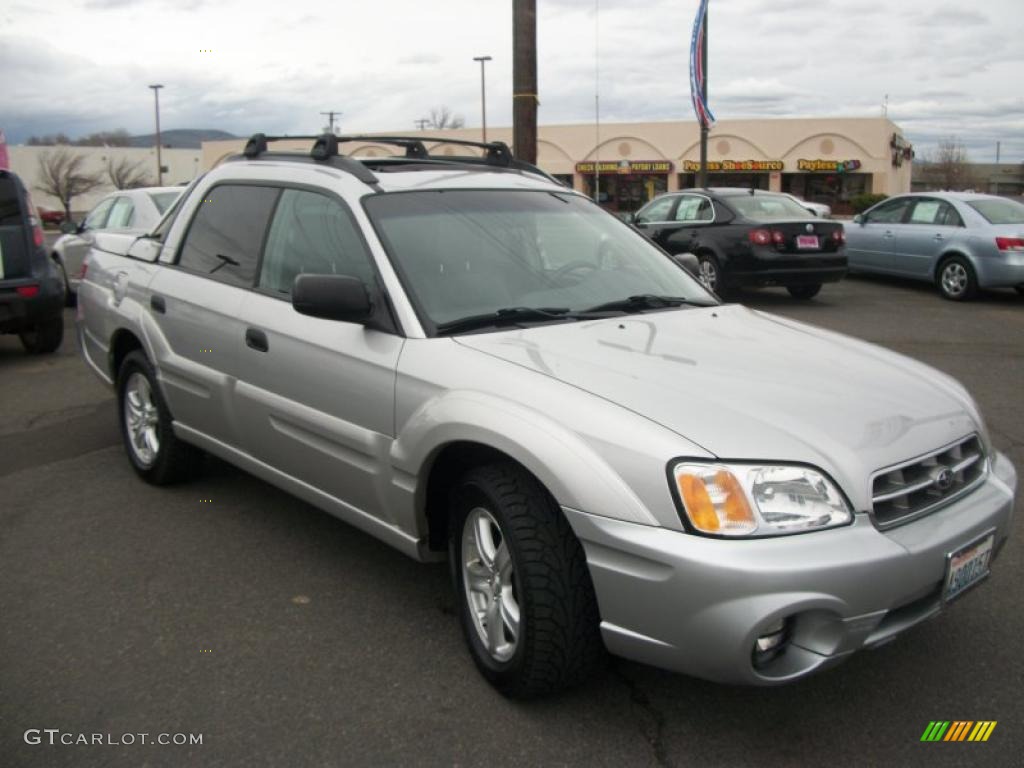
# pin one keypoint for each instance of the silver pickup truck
(469, 361)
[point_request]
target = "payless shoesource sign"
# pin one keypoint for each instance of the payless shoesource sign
(828, 166)
(720, 166)
(626, 166)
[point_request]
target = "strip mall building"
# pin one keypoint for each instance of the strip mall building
(827, 160)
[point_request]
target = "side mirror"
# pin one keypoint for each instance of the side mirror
(632, 218)
(332, 297)
(689, 262)
(859, 219)
(67, 226)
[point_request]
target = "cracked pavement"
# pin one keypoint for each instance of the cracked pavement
(287, 638)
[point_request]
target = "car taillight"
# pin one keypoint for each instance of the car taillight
(27, 291)
(1010, 243)
(760, 236)
(839, 235)
(777, 237)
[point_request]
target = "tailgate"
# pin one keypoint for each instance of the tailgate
(14, 250)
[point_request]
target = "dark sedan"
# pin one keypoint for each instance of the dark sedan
(747, 238)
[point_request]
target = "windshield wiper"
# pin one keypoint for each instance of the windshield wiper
(645, 301)
(506, 316)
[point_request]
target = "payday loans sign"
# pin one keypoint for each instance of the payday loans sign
(627, 166)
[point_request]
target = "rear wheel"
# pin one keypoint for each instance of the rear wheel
(804, 291)
(155, 453)
(526, 601)
(44, 337)
(956, 279)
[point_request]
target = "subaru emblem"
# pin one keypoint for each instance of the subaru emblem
(810, 227)
(942, 479)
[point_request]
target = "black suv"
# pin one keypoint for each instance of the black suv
(747, 238)
(32, 286)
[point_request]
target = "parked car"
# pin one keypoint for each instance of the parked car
(127, 212)
(31, 284)
(53, 218)
(467, 360)
(960, 241)
(820, 210)
(747, 238)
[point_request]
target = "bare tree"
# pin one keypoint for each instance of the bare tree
(49, 140)
(442, 117)
(117, 138)
(62, 175)
(124, 173)
(948, 167)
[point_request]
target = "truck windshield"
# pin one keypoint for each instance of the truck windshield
(471, 252)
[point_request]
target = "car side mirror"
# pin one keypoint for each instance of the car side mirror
(689, 262)
(859, 219)
(332, 297)
(632, 218)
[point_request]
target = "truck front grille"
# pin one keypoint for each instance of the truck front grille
(919, 486)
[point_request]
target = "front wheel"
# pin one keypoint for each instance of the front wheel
(804, 291)
(526, 601)
(956, 279)
(156, 454)
(710, 274)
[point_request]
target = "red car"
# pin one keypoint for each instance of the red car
(51, 217)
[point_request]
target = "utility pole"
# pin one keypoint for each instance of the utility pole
(483, 95)
(159, 160)
(524, 79)
(702, 182)
(330, 119)
(422, 123)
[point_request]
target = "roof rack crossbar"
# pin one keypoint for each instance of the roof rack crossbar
(325, 148)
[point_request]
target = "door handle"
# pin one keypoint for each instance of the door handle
(888, 234)
(157, 304)
(939, 237)
(256, 339)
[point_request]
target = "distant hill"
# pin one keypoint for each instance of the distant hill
(182, 138)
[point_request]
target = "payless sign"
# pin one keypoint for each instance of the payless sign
(828, 166)
(627, 166)
(718, 166)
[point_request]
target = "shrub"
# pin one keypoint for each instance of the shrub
(862, 202)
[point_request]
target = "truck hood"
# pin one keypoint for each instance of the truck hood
(742, 384)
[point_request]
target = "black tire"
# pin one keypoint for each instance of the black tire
(173, 460)
(558, 643)
(956, 280)
(45, 337)
(69, 295)
(804, 291)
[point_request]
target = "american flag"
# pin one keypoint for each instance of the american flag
(697, 74)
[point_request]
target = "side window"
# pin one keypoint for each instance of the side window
(948, 217)
(694, 208)
(97, 217)
(121, 214)
(223, 240)
(658, 210)
(312, 234)
(890, 212)
(926, 211)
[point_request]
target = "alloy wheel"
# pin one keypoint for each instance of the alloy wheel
(954, 279)
(488, 579)
(708, 274)
(141, 419)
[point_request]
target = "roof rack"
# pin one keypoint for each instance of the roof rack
(325, 149)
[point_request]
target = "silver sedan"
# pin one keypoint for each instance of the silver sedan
(961, 241)
(128, 211)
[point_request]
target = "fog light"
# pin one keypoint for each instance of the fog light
(771, 642)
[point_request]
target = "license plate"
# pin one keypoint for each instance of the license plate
(807, 242)
(967, 566)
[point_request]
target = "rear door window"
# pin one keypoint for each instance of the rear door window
(97, 218)
(121, 214)
(226, 234)
(694, 208)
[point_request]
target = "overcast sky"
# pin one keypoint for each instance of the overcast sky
(949, 69)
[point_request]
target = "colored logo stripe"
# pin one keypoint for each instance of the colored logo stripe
(958, 730)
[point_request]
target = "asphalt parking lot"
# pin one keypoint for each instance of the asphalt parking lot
(226, 608)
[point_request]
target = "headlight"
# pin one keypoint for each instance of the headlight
(758, 500)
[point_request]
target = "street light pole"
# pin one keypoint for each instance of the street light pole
(483, 94)
(159, 161)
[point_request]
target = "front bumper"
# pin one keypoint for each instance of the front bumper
(697, 605)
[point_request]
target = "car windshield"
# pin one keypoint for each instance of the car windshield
(474, 252)
(768, 207)
(999, 211)
(163, 200)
